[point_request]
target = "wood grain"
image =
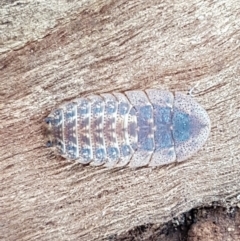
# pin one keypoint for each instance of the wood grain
(52, 52)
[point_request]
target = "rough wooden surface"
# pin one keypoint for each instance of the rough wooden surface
(54, 51)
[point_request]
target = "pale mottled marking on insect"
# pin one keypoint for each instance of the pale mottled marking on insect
(136, 128)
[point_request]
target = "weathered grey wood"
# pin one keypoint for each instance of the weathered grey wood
(53, 51)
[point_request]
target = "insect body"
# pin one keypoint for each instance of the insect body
(135, 128)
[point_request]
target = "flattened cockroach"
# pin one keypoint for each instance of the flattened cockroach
(135, 128)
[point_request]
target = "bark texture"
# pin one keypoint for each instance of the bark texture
(54, 51)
